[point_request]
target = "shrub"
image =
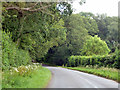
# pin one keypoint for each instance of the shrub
(95, 46)
(11, 55)
(96, 60)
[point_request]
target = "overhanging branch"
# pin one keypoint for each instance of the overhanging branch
(42, 9)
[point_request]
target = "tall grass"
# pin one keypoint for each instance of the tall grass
(110, 73)
(31, 76)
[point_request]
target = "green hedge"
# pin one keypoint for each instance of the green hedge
(106, 60)
(11, 55)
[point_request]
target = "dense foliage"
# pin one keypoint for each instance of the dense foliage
(83, 38)
(11, 55)
(34, 29)
(95, 46)
(104, 60)
(108, 28)
(49, 32)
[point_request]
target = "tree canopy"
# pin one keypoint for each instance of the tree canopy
(49, 32)
(95, 46)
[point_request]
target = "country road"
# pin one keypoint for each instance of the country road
(65, 78)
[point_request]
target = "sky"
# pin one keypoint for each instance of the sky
(109, 7)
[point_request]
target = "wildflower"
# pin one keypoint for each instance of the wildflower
(32, 68)
(16, 69)
(26, 67)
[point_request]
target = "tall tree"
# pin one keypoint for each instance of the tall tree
(76, 34)
(35, 26)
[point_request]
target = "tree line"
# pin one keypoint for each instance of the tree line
(49, 32)
(87, 35)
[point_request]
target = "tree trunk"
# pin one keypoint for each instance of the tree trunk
(20, 30)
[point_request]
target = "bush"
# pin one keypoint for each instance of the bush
(96, 60)
(11, 55)
(95, 46)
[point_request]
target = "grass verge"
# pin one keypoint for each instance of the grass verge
(37, 78)
(109, 73)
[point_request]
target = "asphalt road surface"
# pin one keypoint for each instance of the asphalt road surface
(65, 78)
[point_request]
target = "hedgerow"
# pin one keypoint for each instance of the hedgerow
(105, 60)
(11, 55)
